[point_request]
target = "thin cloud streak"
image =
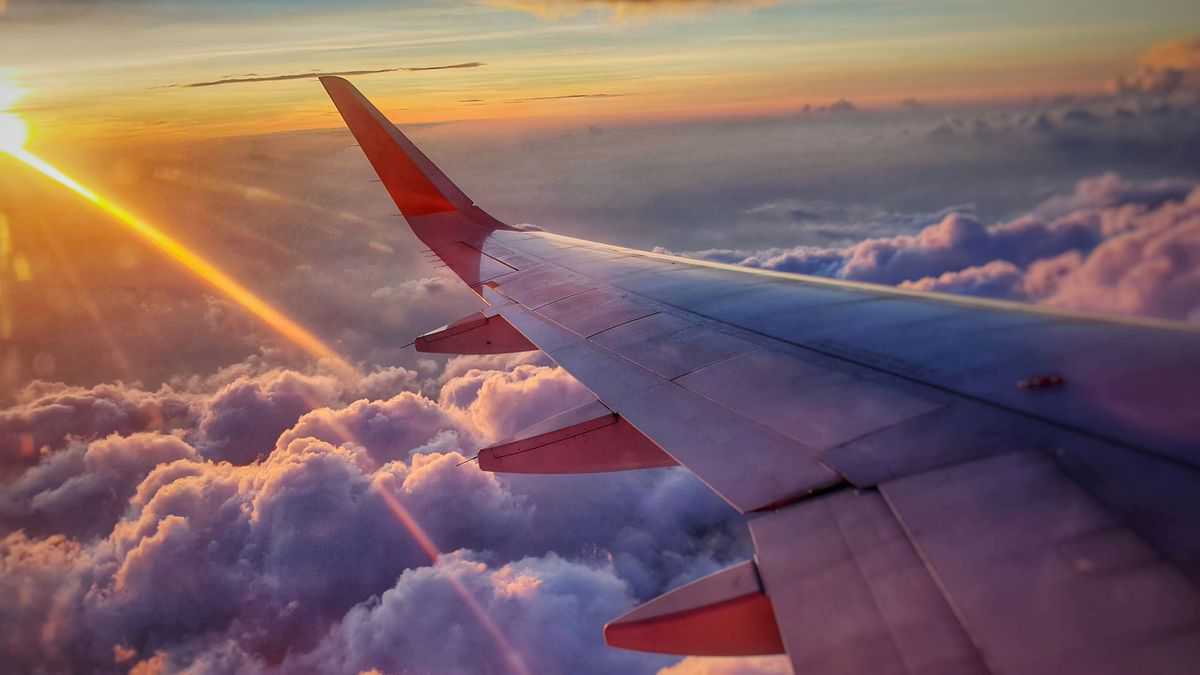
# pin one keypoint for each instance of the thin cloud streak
(316, 74)
(563, 97)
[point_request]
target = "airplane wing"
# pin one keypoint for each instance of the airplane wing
(934, 484)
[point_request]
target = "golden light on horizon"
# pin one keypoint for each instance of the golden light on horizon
(190, 260)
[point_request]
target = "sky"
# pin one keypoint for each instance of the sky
(188, 485)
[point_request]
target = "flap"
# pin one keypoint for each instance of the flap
(588, 439)
(723, 614)
(475, 334)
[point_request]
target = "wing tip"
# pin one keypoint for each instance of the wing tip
(332, 82)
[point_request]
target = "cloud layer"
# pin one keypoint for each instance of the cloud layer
(1112, 245)
(356, 539)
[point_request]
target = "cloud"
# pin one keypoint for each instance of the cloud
(1140, 130)
(387, 429)
(305, 557)
(1182, 54)
(272, 553)
(82, 491)
(836, 223)
(457, 366)
(996, 279)
(545, 608)
(1164, 69)
(839, 106)
(1149, 81)
(233, 415)
(499, 404)
(452, 66)
(242, 419)
(316, 74)
(1112, 245)
(564, 97)
(47, 414)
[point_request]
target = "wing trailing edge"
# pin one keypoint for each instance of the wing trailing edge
(723, 614)
(475, 334)
(588, 439)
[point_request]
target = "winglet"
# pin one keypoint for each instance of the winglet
(417, 186)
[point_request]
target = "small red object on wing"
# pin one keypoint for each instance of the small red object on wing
(1041, 382)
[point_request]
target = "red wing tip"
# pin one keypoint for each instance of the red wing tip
(334, 80)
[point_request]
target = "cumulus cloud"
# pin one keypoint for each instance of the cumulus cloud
(243, 418)
(271, 553)
(544, 612)
(83, 490)
(46, 414)
(1163, 69)
(1112, 245)
(235, 414)
(500, 403)
(358, 541)
(996, 279)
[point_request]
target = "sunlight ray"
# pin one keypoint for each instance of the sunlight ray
(198, 265)
(515, 663)
(89, 305)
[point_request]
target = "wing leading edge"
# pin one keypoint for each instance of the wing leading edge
(914, 510)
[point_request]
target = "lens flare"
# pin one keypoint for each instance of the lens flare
(515, 663)
(13, 132)
(196, 264)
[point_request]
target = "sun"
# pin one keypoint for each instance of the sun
(13, 132)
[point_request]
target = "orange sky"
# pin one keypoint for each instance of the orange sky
(121, 70)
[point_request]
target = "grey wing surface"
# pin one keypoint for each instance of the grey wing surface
(934, 484)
